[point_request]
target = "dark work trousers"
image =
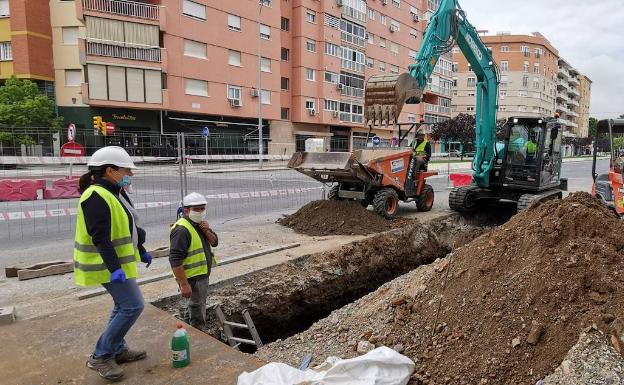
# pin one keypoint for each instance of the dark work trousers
(417, 163)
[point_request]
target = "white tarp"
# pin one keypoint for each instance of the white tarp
(382, 366)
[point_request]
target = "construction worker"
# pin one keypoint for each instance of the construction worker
(107, 247)
(420, 158)
(531, 149)
(191, 256)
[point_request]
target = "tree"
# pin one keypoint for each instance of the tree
(593, 127)
(460, 128)
(22, 105)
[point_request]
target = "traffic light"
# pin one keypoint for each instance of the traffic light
(98, 124)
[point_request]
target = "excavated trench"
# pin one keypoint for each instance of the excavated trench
(288, 298)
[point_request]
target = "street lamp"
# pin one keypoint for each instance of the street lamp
(260, 144)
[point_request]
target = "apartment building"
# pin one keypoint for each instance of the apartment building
(25, 49)
(182, 65)
(584, 104)
(534, 80)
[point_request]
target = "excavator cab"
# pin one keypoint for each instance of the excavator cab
(609, 187)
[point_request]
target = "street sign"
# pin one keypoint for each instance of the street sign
(110, 128)
(376, 140)
(71, 132)
(205, 132)
(72, 149)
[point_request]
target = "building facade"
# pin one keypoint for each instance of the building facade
(299, 67)
(528, 76)
(584, 105)
(25, 43)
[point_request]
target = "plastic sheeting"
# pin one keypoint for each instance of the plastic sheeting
(381, 366)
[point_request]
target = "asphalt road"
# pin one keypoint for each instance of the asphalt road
(232, 196)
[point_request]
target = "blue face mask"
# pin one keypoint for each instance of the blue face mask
(124, 182)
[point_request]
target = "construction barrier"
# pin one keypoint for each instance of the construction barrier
(461, 179)
(62, 188)
(20, 190)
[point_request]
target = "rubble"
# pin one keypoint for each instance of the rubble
(539, 280)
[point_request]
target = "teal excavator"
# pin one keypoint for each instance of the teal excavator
(523, 165)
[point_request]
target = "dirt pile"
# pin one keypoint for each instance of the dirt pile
(331, 217)
(504, 309)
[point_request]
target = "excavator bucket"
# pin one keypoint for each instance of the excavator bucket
(385, 96)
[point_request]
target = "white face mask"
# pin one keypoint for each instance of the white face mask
(197, 216)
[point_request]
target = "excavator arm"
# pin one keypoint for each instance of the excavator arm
(386, 95)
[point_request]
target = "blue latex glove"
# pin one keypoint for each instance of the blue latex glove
(118, 276)
(146, 258)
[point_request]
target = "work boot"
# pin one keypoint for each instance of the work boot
(106, 367)
(130, 356)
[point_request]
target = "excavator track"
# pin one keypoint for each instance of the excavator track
(460, 199)
(527, 200)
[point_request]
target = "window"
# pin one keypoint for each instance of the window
(193, 9)
(234, 58)
(309, 104)
(538, 52)
(370, 63)
(234, 23)
(382, 19)
(382, 66)
(234, 92)
(413, 54)
(265, 96)
(526, 66)
(536, 84)
(311, 45)
(310, 74)
(4, 8)
(504, 78)
(382, 42)
(470, 108)
(455, 67)
(411, 118)
(6, 51)
(265, 64)
(455, 50)
(394, 48)
(285, 54)
(413, 33)
(265, 31)
(395, 26)
(504, 66)
(285, 84)
(396, 3)
(331, 105)
(73, 78)
(285, 113)
(371, 38)
(503, 94)
(195, 49)
(536, 68)
(472, 81)
(525, 81)
(502, 108)
(504, 48)
(196, 87)
(70, 35)
(285, 24)
(332, 49)
(371, 14)
(394, 69)
(525, 50)
(310, 16)
(332, 77)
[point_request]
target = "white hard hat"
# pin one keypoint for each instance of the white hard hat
(194, 199)
(114, 155)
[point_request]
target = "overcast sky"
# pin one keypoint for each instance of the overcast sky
(589, 34)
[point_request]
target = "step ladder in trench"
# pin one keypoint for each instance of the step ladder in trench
(228, 326)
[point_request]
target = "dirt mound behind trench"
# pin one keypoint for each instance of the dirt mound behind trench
(514, 302)
(332, 217)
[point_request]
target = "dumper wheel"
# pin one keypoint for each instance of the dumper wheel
(424, 202)
(333, 193)
(386, 203)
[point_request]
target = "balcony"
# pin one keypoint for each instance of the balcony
(573, 102)
(114, 49)
(437, 109)
(563, 73)
(352, 91)
(438, 90)
(562, 85)
(573, 91)
(123, 8)
(572, 113)
(561, 96)
(573, 81)
(349, 117)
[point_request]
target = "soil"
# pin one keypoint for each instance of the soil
(333, 217)
(503, 309)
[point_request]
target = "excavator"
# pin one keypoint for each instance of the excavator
(523, 165)
(609, 187)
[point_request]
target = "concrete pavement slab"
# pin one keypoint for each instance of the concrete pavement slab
(53, 350)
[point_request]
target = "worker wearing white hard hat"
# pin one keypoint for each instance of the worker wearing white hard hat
(107, 247)
(191, 255)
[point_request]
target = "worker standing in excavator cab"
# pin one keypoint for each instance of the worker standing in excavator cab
(420, 158)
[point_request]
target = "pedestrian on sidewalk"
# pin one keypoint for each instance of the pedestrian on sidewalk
(191, 255)
(107, 247)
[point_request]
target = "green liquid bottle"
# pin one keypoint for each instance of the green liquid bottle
(180, 347)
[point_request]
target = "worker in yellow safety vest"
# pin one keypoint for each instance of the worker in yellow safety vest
(191, 256)
(108, 244)
(420, 157)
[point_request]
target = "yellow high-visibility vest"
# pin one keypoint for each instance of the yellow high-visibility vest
(89, 267)
(195, 262)
(420, 148)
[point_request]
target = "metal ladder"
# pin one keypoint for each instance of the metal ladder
(229, 325)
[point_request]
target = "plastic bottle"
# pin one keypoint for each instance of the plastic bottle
(180, 347)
